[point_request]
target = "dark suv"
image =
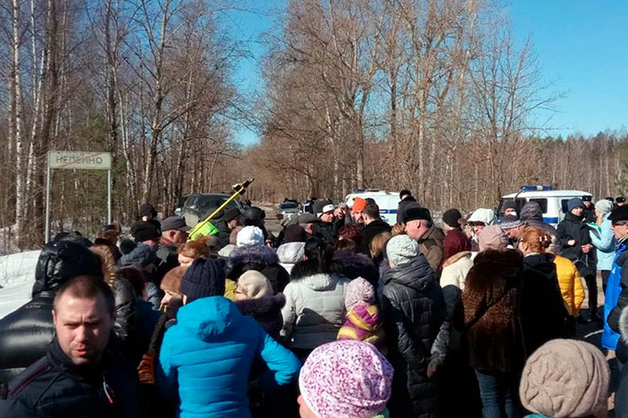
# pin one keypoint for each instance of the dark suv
(196, 207)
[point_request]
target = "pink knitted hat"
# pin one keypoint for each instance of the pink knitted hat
(346, 379)
(359, 291)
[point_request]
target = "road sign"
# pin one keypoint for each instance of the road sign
(79, 160)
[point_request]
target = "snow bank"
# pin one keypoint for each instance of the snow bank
(17, 274)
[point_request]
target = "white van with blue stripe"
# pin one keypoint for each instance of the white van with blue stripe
(553, 203)
(387, 202)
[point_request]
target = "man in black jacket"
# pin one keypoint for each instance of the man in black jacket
(329, 225)
(227, 223)
(78, 376)
(405, 199)
(573, 236)
(589, 209)
(26, 332)
(174, 232)
(373, 226)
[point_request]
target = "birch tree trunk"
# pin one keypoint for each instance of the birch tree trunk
(17, 131)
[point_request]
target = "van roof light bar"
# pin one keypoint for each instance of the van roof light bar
(529, 188)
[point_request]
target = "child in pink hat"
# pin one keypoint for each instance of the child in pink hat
(345, 379)
(364, 321)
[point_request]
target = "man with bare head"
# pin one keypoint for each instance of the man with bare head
(79, 375)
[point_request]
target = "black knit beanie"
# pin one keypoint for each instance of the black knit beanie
(204, 278)
(452, 218)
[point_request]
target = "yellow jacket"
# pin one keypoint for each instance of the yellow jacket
(570, 284)
(230, 288)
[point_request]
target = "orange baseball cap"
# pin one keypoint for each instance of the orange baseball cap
(358, 205)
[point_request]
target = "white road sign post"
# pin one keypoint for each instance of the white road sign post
(77, 160)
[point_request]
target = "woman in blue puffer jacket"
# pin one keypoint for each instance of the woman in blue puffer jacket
(209, 352)
(603, 239)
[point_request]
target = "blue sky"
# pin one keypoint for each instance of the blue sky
(581, 46)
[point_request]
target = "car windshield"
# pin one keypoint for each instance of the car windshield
(207, 203)
(288, 205)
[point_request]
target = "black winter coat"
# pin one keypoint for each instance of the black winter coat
(224, 232)
(126, 315)
(328, 231)
(543, 313)
(26, 333)
(369, 232)
(414, 310)
(589, 214)
(167, 259)
(55, 387)
(575, 228)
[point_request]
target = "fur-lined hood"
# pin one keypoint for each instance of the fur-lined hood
(303, 269)
(308, 272)
(262, 306)
(353, 265)
(456, 257)
(260, 254)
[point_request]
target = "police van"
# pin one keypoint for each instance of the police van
(387, 202)
(553, 203)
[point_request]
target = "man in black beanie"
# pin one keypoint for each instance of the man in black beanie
(227, 221)
(452, 220)
(148, 214)
(405, 199)
(146, 233)
(204, 278)
(589, 209)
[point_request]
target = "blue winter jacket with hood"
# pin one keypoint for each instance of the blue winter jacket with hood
(208, 355)
(603, 239)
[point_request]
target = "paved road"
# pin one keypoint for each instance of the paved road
(271, 221)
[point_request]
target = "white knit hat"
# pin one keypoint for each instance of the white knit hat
(250, 235)
(604, 206)
(401, 249)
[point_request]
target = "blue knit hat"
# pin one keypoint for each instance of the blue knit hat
(204, 278)
(574, 202)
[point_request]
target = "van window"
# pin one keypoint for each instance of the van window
(519, 202)
(542, 203)
(563, 205)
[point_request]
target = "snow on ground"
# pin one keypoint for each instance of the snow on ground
(17, 274)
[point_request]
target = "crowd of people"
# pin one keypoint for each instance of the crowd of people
(339, 316)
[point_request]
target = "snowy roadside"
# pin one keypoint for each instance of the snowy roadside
(17, 274)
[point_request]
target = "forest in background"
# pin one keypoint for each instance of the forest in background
(431, 95)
